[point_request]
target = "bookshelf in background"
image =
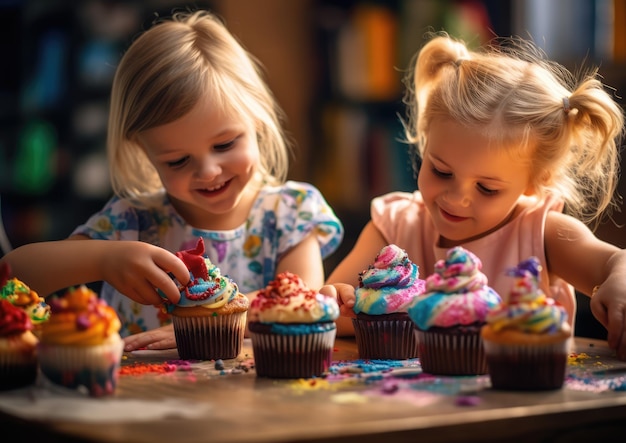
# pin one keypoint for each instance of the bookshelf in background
(54, 108)
(359, 101)
(365, 50)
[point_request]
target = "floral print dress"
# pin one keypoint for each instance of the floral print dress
(281, 217)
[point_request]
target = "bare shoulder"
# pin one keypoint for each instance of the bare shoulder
(569, 240)
(563, 227)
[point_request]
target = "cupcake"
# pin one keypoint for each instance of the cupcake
(210, 318)
(20, 295)
(449, 316)
(18, 348)
(382, 327)
(292, 328)
(527, 336)
(80, 346)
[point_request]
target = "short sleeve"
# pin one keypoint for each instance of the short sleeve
(301, 210)
(117, 220)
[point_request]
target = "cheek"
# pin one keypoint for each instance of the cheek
(171, 179)
(493, 212)
(427, 186)
(250, 157)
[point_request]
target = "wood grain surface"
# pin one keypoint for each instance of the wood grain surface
(359, 401)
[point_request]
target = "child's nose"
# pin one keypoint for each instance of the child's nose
(209, 167)
(458, 195)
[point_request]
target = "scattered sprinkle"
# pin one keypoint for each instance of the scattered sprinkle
(467, 400)
(145, 368)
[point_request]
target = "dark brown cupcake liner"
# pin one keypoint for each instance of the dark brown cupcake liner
(17, 373)
(292, 356)
(385, 339)
(527, 367)
(211, 337)
(449, 353)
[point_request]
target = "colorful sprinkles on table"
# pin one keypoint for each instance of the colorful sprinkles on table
(360, 379)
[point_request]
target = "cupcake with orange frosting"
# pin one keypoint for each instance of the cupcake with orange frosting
(383, 329)
(450, 314)
(18, 348)
(210, 318)
(527, 336)
(292, 328)
(80, 346)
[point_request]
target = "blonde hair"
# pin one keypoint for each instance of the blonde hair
(568, 130)
(160, 78)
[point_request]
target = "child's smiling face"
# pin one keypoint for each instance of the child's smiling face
(469, 186)
(205, 160)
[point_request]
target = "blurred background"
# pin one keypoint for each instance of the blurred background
(336, 67)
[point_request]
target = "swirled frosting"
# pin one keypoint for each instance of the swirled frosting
(456, 293)
(389, 285)
(20, 295)
(13, 320)
(286, 299)
(527, 308)
(80, 318)
(207, 287)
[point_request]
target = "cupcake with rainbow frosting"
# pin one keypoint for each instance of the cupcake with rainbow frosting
(527, 336)
(22, 296)
(18, 348)
(449, 315)
(210, 318)
(382, 327)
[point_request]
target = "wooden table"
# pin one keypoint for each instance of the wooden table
(400, 405)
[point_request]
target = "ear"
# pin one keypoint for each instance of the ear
(533, 185)
(530, 190)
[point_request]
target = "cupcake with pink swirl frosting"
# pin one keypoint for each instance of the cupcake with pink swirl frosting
(527, 336)
(383, 329)
(449, 315)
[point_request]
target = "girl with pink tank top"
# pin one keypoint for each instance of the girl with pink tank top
(518, 159)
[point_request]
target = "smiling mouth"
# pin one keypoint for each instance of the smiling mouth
(451, 217)
(214, 189)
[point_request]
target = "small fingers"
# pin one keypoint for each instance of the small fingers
(328, 290)
(346, 311)
(160, 338)
(617, 333)
(166, 288)
(613, 318)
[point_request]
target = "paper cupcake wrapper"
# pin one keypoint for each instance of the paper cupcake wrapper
(451, 354)
(292, 356)
(211, 337)
(385, 339)
(94, 368)
(17, 369)
(527, 367)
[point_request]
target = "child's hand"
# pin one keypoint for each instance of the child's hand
(159, 338)
(608, 305)
(344, 294)
(138, 269)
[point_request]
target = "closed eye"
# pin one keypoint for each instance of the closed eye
(441, 174)
(225, 146)
(486, 191)
(178, 163)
